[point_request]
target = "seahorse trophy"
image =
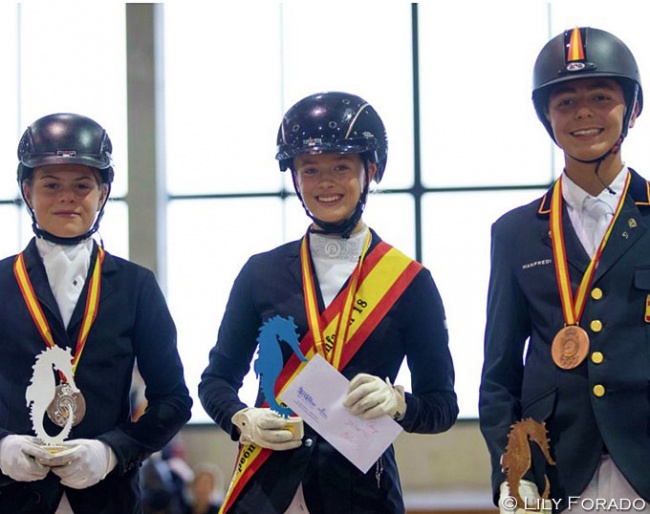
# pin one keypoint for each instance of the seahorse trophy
(517, 459)
(269, 364)
(269, 361)
(62, 403)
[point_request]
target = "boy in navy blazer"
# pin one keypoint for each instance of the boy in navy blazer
(568, 325)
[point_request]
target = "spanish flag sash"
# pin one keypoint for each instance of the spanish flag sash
(375, 285)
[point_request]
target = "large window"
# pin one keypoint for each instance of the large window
(62, 58)
(228, 197)
(465, 144)
(451, 81)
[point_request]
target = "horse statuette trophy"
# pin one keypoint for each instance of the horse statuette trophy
(62, 403)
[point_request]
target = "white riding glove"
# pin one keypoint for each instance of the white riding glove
(18, 458)
(370, 397)
(84, 463)
(529, 495)
(266, 428)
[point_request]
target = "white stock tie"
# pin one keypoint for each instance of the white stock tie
(597, 215)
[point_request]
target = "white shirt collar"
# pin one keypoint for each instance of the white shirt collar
(576, 197)
(66, 267)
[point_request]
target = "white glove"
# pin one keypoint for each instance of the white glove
(84, 463)
(266, 428)
(529, 495)
(18, 458)
(370, 397)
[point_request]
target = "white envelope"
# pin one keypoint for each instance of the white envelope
(316, 394)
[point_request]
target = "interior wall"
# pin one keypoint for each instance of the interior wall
(454, 466)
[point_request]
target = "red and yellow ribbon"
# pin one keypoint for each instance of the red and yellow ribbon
(311, 304)
(382, 276)
(573, 309)
(37, 314)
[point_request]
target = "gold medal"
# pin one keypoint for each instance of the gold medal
(570, 347)
(66, 402)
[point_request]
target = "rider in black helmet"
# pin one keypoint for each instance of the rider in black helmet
(566, 341)
(73, 446)
(346, 296)
(334, 123)
(587, 53)
(65, 139)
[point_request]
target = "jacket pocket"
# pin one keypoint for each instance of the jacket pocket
(642, 283)
(540, 407)
(642, 278)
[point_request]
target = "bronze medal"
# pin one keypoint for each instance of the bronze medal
(66, 402)
(570, 347)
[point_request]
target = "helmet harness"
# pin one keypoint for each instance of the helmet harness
(65, 138)
(333, 123)
(584, 53)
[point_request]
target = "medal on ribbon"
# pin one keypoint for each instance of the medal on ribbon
(571, 344)
(331, 350)
(67, 402)
(65, 408)
(63, 403)
(570, 347)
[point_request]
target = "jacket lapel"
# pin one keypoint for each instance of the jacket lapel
(108, 268)
(627, 230)
(295, 268)
(38, 278)
(575, 253)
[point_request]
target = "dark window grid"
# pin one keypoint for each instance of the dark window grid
(417, 191)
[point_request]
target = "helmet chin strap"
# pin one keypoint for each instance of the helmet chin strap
(67, 241)
(344, 228)
(599, 160)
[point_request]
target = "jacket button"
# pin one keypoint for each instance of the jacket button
(596, 293)
(597, 357)
(308, 442)
(596, 325)
(599, 390)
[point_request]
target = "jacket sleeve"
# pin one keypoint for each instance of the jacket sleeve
(230, 359)
(168, 400)
(507, 330)
(432, 406)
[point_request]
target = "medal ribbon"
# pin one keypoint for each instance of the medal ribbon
(35, 310)
(311, 303)
(382, 280)
(573, 311)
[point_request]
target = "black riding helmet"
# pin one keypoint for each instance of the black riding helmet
(586, 52)
(333, 122)
(65, 138)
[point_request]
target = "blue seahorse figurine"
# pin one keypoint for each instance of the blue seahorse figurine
(269, 362)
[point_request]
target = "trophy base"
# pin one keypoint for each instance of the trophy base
(295, 426)
(54, 448)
